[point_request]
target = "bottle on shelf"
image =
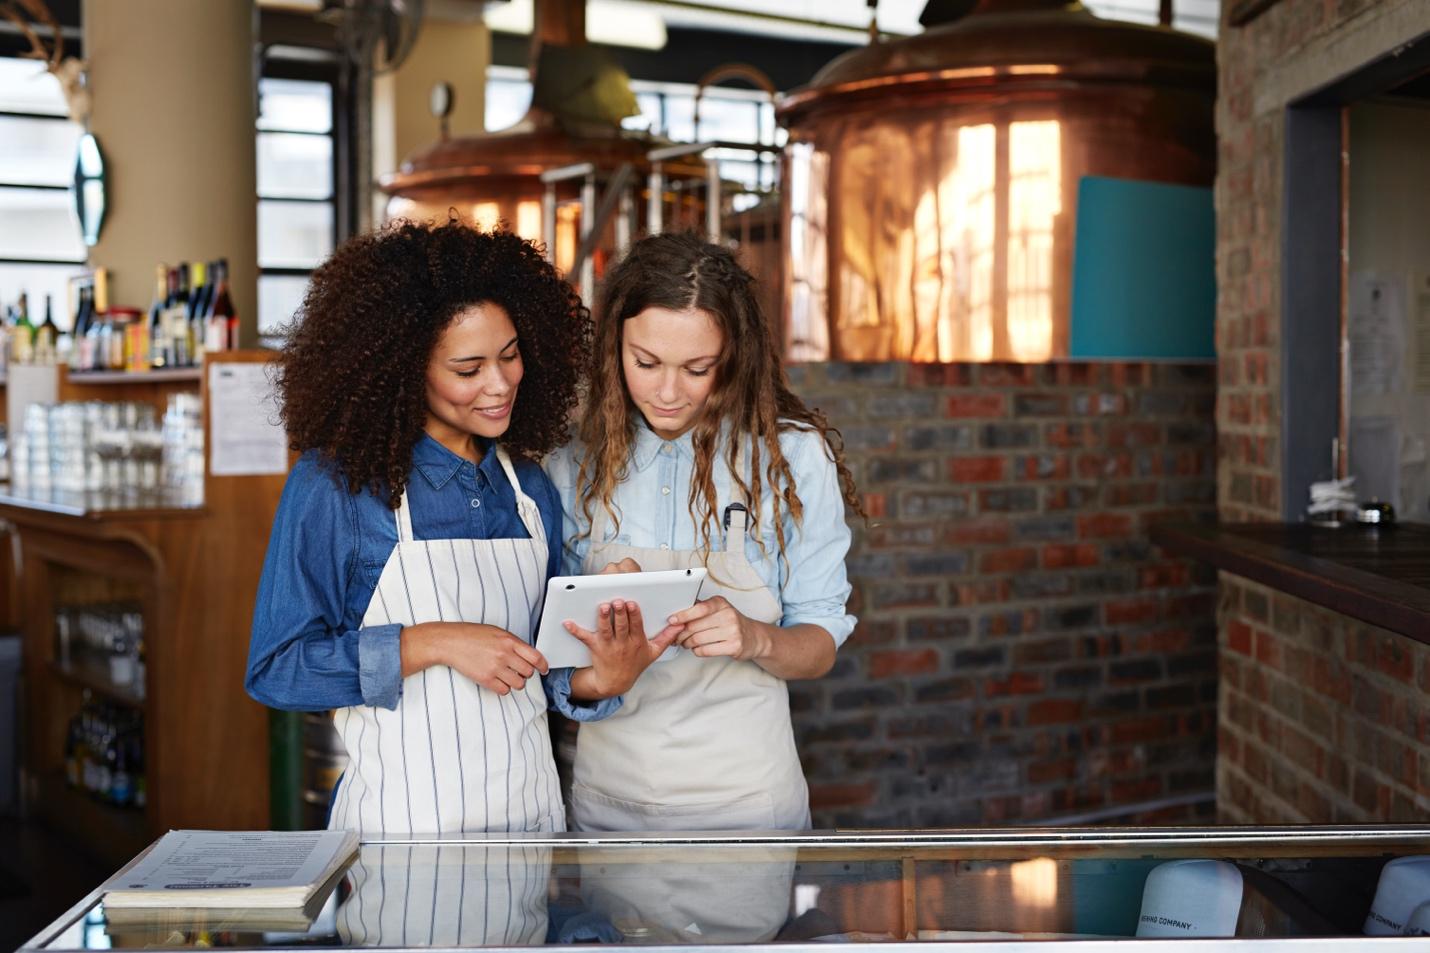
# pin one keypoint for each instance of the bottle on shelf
(79, 356)
(194, 313)
(22, 334)
(222, 330)
(158, 329)
(47, 336)
(178, 323)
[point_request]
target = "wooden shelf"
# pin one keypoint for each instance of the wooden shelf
(134, 377)
(93, 674)
(1377, 575)
(97, 505)
(115, 833)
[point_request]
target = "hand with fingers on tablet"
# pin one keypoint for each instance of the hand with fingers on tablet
(620, 648)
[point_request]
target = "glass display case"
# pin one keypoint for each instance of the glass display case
(1301, 888)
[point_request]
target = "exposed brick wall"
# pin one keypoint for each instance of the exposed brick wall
(1321, 719)
(1324, 720)
(1022, 650)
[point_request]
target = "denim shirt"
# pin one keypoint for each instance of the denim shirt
(309, 649)
(652, 504)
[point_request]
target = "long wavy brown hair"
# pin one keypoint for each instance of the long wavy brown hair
(352, 375)
(751, 392)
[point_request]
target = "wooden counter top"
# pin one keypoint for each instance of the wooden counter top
(97, 506)
(1377, 575)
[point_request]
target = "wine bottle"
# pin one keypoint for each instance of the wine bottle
(22, 334)
(47, 335)
(158, 340)
(222, 334)
(178, 318)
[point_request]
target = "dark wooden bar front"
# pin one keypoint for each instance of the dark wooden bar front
(1379, 575)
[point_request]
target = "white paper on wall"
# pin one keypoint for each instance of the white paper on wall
(1376, 334)
(247, 438)
(1375, 458)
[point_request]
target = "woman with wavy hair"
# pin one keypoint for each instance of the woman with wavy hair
(694, 451)
(428, 370)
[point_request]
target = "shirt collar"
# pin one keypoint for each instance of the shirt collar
(649, 444)
(438, 464)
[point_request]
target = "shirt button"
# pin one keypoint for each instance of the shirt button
(476, 503)
(665, 491)
(665, 448)
(664, 545)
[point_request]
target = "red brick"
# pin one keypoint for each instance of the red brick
(1105, 526)
(1064, 556)
(1055, 711)
(1140, 790)
(977, 469)
(1126, 611)
(1268, 650)
(1019, 683)
(977, 405)
(979, 531)
(903, 662)
(1073, 435)
(841, 795)
(1394, 658)
(876, 505)
(1007, 375)
(1238, 636)
(1163, 577)
(1045, 771)
(1009, 560)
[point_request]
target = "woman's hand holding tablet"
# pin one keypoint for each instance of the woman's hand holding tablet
(600, 620)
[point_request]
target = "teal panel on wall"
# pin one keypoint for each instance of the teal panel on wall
(1144, 271)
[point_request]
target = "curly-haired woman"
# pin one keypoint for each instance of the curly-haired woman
(429, 368)
(694, 451)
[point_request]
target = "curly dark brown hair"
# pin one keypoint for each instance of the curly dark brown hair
(352, 376)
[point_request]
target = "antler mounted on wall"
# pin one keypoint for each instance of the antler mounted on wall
(31, 16)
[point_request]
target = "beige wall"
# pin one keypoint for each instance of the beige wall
(455, 52)
(173, 89)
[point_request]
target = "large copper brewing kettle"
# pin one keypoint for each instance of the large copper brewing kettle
(930, 187)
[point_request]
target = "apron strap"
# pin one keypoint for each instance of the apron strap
(404, 521)
(736, 518)
(526, 507)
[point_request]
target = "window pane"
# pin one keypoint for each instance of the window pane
(507, 102)
(26, 87)
(37, 281)
(293, 234)
(295, 105)
(37, 151)
(295, 166)
(39, 223)
(279, 297)
(649, 117)
(730, 120)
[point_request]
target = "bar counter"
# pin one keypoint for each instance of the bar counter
(1379, 575)
(1295, 888)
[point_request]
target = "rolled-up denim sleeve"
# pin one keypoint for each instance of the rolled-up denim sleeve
(557, 683)
(303, 655)
(814, 587)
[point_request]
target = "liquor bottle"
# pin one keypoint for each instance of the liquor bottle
(179, 318)
(47, 335)
(22, 334)
(158, 339)
(83, 316)
(194, 312)
(222, 330)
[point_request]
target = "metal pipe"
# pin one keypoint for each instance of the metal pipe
(712, 200)
(588, 226)
(655, 208)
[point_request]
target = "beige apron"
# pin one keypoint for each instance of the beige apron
(700, 744)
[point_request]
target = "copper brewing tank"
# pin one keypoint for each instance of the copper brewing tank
(930, 186)
(491, 177)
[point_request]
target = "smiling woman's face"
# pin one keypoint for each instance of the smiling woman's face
(472, 378)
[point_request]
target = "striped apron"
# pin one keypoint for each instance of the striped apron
(454, 756)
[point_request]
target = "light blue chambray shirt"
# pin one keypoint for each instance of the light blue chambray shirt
(653, 506)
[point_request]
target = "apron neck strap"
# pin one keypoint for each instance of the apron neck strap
(526, 507)
(736, 519)
(404, 521)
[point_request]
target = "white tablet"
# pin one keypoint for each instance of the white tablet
(659, 594)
